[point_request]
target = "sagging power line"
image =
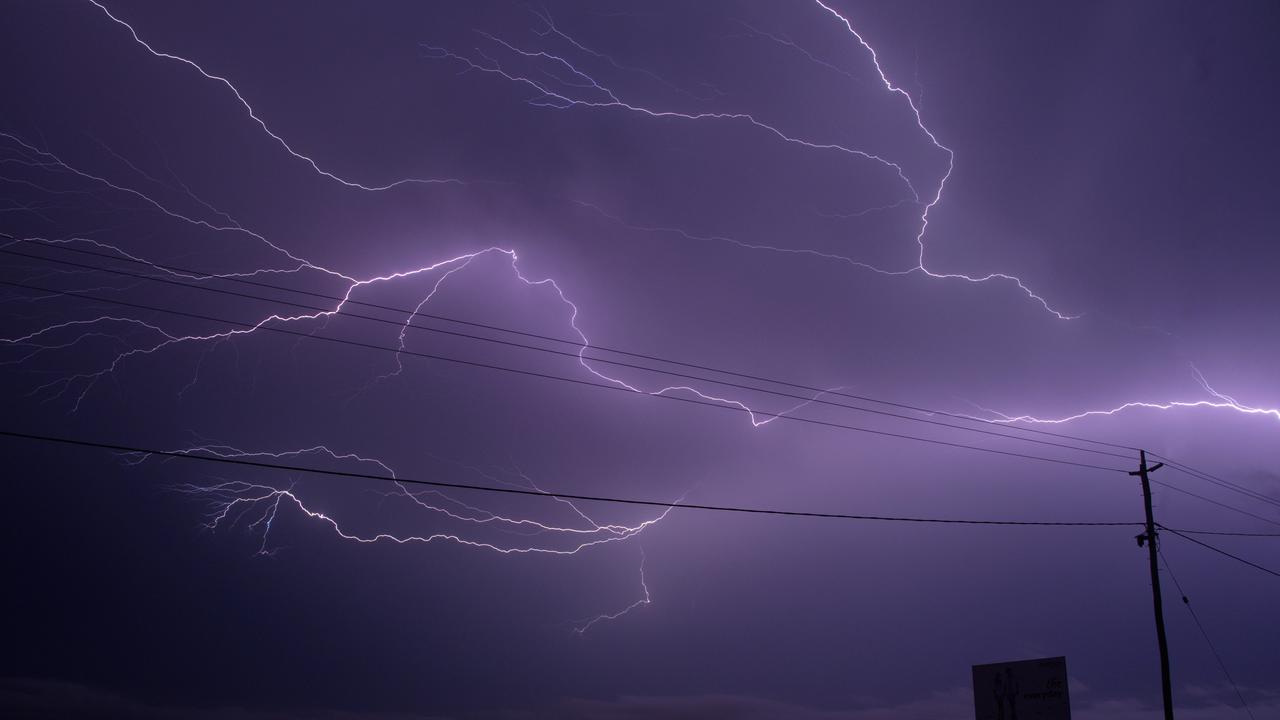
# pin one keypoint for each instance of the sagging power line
(261, 464)
(816, 399)
(203, 275)
(559, 378)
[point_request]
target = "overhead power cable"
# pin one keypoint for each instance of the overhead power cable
(1228, 533)
(1220, 551)
(1222, 505)
(1186, 602)
(187, 455)
(576, 355)
(1215, 480)
(203, 275)
(559, 378)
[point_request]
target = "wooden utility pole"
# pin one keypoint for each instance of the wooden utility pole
(1149, 539)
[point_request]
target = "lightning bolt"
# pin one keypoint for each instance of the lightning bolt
(256, 506)
(448, 267)
(942, 182)
(582, 627)
(230, 503)
(556, 82)
(253, 115)
(551, 29)
(783, 40)
(606, 98)
(35, 157)
(587, 92)
(1219, 402)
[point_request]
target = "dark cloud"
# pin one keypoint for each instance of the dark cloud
(1118, 159)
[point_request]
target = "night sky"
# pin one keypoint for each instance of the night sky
(249, 231)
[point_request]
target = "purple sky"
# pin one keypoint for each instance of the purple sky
(1031, 213)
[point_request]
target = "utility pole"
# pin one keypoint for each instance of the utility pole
(1149, 539)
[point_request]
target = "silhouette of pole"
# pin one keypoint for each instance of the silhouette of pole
(1149, 539)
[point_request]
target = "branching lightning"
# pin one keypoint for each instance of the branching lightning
(234, 502)
(556, 82)
(253, 114)
(585, 625)
(256, 506)
(587, 92)
(1219, 402)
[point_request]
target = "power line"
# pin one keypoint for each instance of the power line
(1223, 505)
(807, 399)
(1187, 603)
(419, 313)
(1220, 551)
(614, 387)
(1229, 533)
(1196, 474)
(575, 355)
(548, 376)
(1181, 467)
(542, 494)
(1214, 479)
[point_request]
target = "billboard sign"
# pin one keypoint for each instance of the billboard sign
(1022, 690)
